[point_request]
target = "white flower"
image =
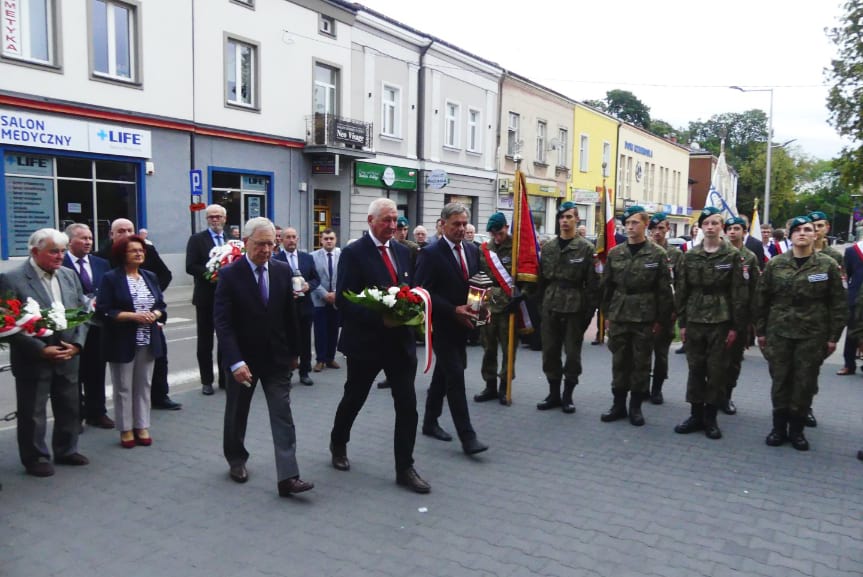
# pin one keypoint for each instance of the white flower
(393, 290)
(31, 307)
(374, 293)
(389, 300)
(57, 316)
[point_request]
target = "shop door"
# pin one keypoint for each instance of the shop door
(254, 205)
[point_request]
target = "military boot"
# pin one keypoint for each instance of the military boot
(810, 419)
(636, 418)
(489, 393)
(779, 434)
(656, 391)
(796, 423)
(568, 388)
(695, 422)
(552, 401)
(711, 428)
(617, 410)
(728, 406)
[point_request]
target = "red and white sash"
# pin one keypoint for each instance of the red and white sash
(858, 248)
(504, 279)
(427, 323)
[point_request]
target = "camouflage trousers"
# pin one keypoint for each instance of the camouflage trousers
(708, 360)
(735, 361)
(794, 368)
(495, 335)
(631, 345)
(562, 332)
(661, 345)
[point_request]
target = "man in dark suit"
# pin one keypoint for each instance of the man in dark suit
(443, 269)
(121, 228)
(197, 254)
(46, 367)
(255, 320)
(753, 244)
(91, 373)
(372, 344)
(305, 264)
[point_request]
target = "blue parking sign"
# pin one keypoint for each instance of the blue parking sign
(196, 182)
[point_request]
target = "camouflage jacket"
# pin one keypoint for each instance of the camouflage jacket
(802, 302)
(568, 279)
(711, 288)
(637, 288)
(751, 276)
(413, 247)
(499, 299)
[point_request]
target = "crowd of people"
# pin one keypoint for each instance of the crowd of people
(720, 293)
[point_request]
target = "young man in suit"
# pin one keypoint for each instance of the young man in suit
(303, 262)
(46, 367)
(443, 269)
(255, 320)
(91, 371)
(324, 300)
(197, 254)
(753, 244)
(372, 344)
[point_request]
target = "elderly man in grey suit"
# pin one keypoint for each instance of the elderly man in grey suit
(46, 367)
(324, 299)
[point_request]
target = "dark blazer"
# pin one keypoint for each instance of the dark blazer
(152, 262)
(440, 274)
(98, 265)
(307, 268)
(197, 254)
(265, 337)
(118, 337)
(363, 333)
(757, 247)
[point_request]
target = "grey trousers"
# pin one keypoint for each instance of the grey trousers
(132, 390)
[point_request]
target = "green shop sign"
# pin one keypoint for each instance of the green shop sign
(380, 176)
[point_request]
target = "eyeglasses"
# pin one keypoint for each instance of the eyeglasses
(215, 216)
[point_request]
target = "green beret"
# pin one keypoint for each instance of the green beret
(564, 206)
(656, 219)
(735, 220)
(817, 215)
(797, 221)
(707, 211)
(402, 222)
(634, 209)
(495, 222)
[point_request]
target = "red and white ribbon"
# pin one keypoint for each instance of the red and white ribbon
(427, 323)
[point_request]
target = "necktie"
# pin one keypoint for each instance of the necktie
(262, 283)
(461, 261)
(86, 281)
(330, 270)
(219, 241)
(294, 260)
(393, 276)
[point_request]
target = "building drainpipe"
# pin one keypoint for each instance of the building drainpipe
(193, 214)
(421, 104)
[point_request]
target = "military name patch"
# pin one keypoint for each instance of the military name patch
(651, 265)
(576, 260)
(820, 277)
(723, 266)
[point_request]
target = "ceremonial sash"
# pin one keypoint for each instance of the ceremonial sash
(504, 279)
(427, 322)
(858, 248)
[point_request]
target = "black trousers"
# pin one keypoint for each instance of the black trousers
(400, 371)
(448, 381)
(206, 332)
(305, 326)
(33, 395)
(91, 376)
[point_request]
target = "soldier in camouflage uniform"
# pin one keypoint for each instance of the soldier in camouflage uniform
(712, 306)
(570, 293)
(495, 334)
(401, 237)
(735, 231)
(802, 309)
(658, 228)
(637, 302)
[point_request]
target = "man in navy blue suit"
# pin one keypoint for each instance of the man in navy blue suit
(306, 265)
(91, 367)
(255, 320)
(443, 269)
(372, 344)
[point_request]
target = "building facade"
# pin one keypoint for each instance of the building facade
(594, 163)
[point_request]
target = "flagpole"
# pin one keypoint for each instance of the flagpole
(603, 242)
(514, 232)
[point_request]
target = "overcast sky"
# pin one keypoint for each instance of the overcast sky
(677, 56)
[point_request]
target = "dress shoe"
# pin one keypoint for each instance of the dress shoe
(340, 457)
(293, 486)
(435, 430)
(410, 478)
(144, 440)
(385, 384)
(40, 469)
(473, 446)
(127, 440)
(103, 422)
(728, 407)
(318, 367)
(74, 460)
(334, 365)
(845, 371)
(207, 390)
(239, 474)
(810, 419)
(486, 395)
(304, 379)
(860, 455)
(167, 404)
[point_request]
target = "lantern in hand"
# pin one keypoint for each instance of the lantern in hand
(479, 287)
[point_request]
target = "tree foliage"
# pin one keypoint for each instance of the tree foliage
(845, 97)
(624, 105)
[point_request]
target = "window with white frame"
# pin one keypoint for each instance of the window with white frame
(606, 159)
(513, 133)
(583, 153)
(563, 148)
(29, 30)
(241, 73)
(326, 89)
(452, 122)
(114, 32)
(390, 111)
(327, 25)
(541, 133)
(474, 126)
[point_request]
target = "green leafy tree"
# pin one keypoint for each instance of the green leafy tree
(664, 129)
(626, 106)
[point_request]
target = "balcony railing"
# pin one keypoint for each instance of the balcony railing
(338, 132)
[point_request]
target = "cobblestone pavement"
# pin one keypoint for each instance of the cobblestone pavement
(555, 495)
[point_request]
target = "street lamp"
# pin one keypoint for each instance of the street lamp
(769, 146)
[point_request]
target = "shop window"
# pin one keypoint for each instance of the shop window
(29, 31)
(244, 195)
(114, 37)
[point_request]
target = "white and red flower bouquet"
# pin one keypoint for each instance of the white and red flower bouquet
(32, 320)
(223, 256)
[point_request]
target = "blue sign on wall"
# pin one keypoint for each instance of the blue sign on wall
(196, 182)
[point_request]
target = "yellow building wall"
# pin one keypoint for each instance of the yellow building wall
(587, 177)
